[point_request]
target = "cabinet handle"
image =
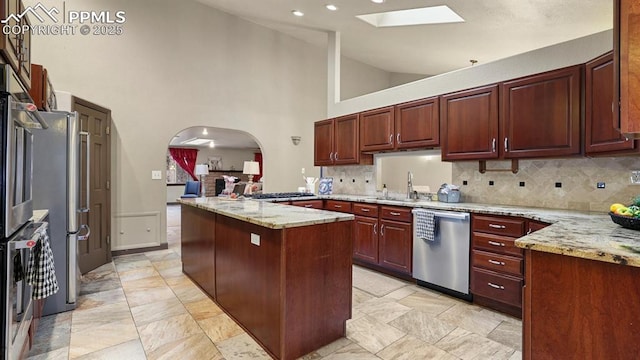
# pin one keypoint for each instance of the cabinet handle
(308, 206)
(493, 145)
(499, 287)
(398, 138)
(395, 213)
(501, 263)
(331, 156)
(497, 226)
(506, 144)
(335, 156)
(495, 243)
(337, 206)
(366, 210)
(390, 138)
(382, 229)
(375, 229)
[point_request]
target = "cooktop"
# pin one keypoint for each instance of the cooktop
(280, 195)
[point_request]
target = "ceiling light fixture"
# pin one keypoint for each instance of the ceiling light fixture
(331, 7)
(297, 12)
(205, 132)
(195, 141)
(211, 144)
(377, 1)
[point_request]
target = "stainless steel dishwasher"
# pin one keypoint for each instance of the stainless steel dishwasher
(443, 264)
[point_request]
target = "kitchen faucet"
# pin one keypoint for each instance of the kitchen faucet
(410, 193)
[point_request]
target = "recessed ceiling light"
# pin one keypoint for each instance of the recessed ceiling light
(331, 7)
(422, 16)
(205, 132)
(377, 1)
(211, 144)
(297, 12)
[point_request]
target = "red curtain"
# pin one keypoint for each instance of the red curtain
(258, 157)
(186, 158)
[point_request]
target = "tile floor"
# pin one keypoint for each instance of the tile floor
(142, 307)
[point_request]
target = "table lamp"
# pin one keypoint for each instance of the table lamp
(201, 169)
(251, 168)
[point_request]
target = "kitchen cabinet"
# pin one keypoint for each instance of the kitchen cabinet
(383, 237)
(377, 129)
(336, 142)
(469, 121)
(338, 205)
(626, 47)
(601, 135)
(577, 308)
(540, 114)
(198, 247)
(41, 91)
(311, 204)
(16, 48)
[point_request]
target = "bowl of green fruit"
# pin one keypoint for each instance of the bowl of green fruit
(626, 216)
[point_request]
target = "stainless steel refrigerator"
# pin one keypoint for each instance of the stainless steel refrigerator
(58, 161)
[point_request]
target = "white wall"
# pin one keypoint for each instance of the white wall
(230, 157)
(181, 64)
(357, 79)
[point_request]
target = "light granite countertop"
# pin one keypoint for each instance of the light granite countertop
(588, 235)
(265, 213)
(38, 215)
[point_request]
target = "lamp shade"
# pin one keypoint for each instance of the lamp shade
(202, 169)
(251, 168)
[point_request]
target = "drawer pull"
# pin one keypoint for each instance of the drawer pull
(501, 263)
(337, 206)
(308, 206)
(395, 213)
(499, 287)
(496, 243)
(375, 229)
(365, 210)
(497, 226)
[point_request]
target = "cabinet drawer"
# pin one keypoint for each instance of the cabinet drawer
(314, 204)
(496, 243)
(499, 225)
(500, 263)
(365, 210)
(395, 213)
(503, 288)
(337, 205)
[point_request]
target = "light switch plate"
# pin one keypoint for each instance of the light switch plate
(635, 177)
(255, 239)
(156, 175)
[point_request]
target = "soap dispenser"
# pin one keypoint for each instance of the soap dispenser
(385, 192)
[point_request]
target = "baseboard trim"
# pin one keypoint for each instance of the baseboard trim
(139, 250)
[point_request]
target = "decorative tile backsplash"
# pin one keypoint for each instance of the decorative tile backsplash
(555, 183)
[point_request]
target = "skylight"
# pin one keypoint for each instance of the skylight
(195, 141)
(423, 16)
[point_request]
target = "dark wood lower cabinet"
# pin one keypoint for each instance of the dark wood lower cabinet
(396, 246)
(580, 309)
(365, 239)
(198, 247)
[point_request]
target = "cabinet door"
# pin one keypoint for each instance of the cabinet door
(9, 44)
(601, 136)
(469, 121)
(346, 149)
(417, 124)
(541, 114)
(323, 143)
(24, 51)
(626, 47)
(365, 239)
(396, 246)
(377, 129)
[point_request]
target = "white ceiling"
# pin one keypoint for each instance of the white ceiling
(493, 29)
(222, 138)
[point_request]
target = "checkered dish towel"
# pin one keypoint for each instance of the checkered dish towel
(426, 226)
(42, 273)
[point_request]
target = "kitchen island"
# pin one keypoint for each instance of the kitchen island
(283, 273)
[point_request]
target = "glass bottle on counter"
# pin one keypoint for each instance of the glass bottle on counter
(385, 191)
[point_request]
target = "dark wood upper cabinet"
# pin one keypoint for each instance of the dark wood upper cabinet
(417, 124)
(16, 48)
(626, 46)
(601, 137)
(336, 142)
(377, 129)
(469, 124)
(540, 115)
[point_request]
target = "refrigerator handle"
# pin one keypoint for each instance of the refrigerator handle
(86, 235)
(87, 205)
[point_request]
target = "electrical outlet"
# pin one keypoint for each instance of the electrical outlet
(600, 185)
(635, 177)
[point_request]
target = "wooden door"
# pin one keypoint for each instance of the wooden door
(417, 124)
(627, 57)
(377, 129)
(365, 239)
(469, 121)
(396, 246)
(601, 136)
(323, 143)
(95, 120)
(346, 149)
(541, 115)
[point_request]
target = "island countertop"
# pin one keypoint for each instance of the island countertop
(588, 235)
(267, 214)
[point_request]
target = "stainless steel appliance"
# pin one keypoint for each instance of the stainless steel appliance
(17, 312)
(443, 264)
(57, 187)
